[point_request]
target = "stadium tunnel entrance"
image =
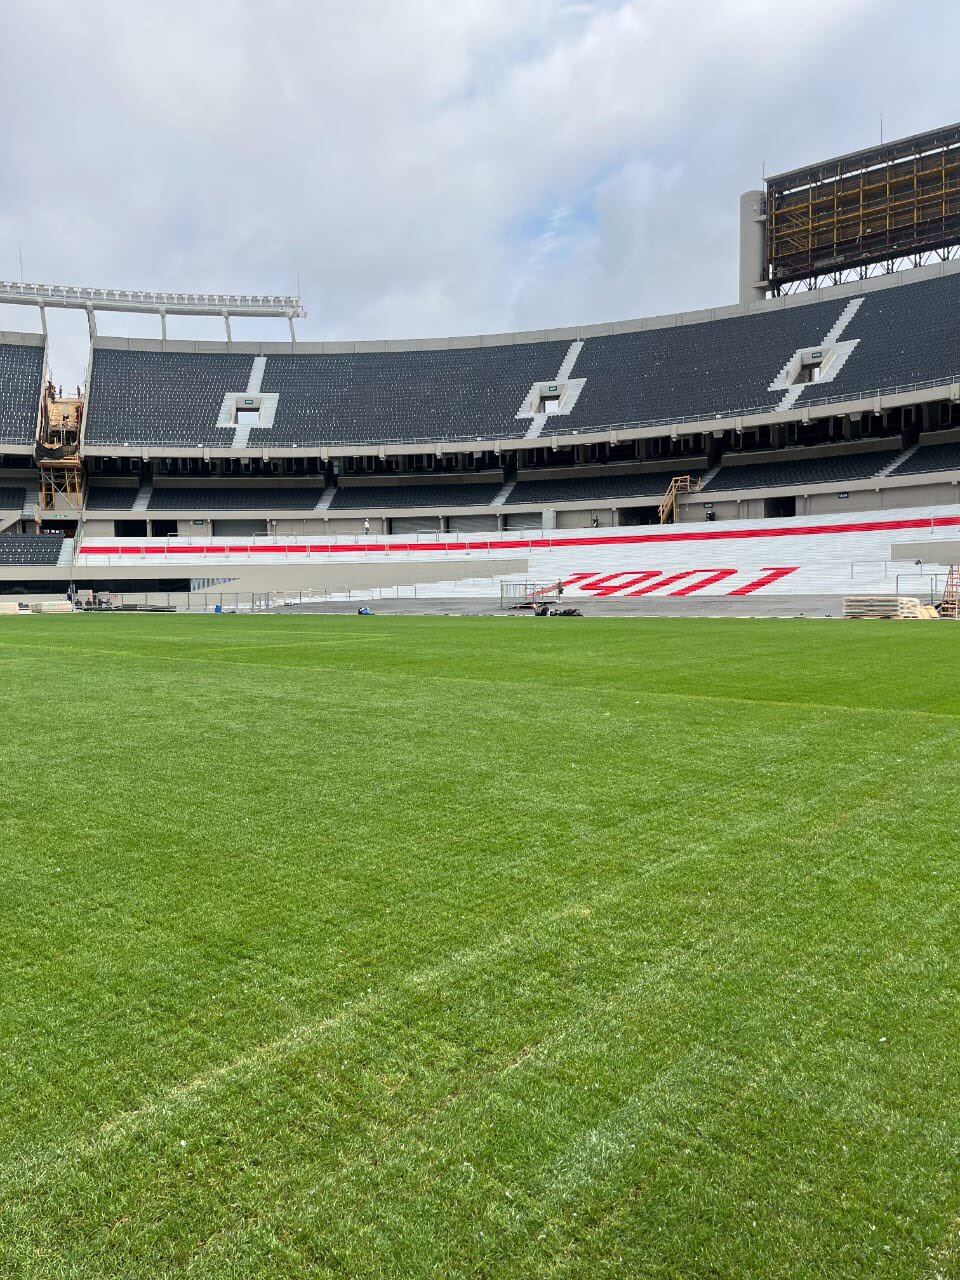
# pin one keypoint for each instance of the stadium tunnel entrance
(778, 507)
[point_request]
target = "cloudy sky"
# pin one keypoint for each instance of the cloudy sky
(426, 167)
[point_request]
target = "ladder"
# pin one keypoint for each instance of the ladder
(950, 604)
(678, 484)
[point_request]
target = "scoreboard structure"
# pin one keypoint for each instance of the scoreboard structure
(894, 204)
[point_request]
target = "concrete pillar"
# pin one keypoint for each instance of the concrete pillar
(753, 246)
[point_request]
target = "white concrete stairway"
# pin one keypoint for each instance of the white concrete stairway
(502, 494)
(901, 457)
(31, 501)
(831, 339)
(142, 501)
(564, 373)
(326, 498)
(256, 375)
(846, 315)
(791, 396)
(569, 360)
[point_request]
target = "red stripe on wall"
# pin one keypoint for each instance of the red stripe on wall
(526, 544)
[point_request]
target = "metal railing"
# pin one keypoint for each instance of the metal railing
(890, 389)
(601, 428)
(263, 547)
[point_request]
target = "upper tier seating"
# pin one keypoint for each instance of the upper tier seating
(12, 498)
(30, 548)
(692, 370)
(802, 471)
(162, 397)
(465, 394)
(905, 333)
(21, 385)
(356, 497)
(594, 488)
(930, 457)
(252, 499)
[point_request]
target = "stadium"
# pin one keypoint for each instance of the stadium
(804, 442)
(464, 939)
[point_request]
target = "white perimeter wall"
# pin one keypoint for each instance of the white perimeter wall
(817, 555)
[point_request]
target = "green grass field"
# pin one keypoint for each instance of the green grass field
(478, 948)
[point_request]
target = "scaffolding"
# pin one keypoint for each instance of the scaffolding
(58, 453)
(869, 211)
(61, 485)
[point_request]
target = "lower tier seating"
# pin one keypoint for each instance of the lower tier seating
(414, 495)
(107, 498)
(801, 471)
(248, 499)
(12, 498)
(930, 457)
(30, 548)
(593, 488)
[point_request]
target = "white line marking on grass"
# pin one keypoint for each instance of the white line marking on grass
(181, 1096)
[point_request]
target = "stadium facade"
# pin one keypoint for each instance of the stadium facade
(773, 445)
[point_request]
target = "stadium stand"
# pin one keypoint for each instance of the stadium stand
(161, 397)
(594, 488)
(839, 467)
(692, 370)
(930, 457)
(416, 495)
(110, 498)
(21, 385)
(462, 393)
(906, 334)
(30, 548)
(11, 498)
(713, 368)
(252, 499)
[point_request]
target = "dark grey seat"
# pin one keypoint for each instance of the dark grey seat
(21, 386)
(839, 467)
(30, 548)
(652, 485)
(416, 495)
(234, 499)
(12, 498)
(162, 397)
(930, 457)
(465, 393)
(110, 497)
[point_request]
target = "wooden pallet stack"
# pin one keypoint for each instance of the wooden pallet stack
(887, 607)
